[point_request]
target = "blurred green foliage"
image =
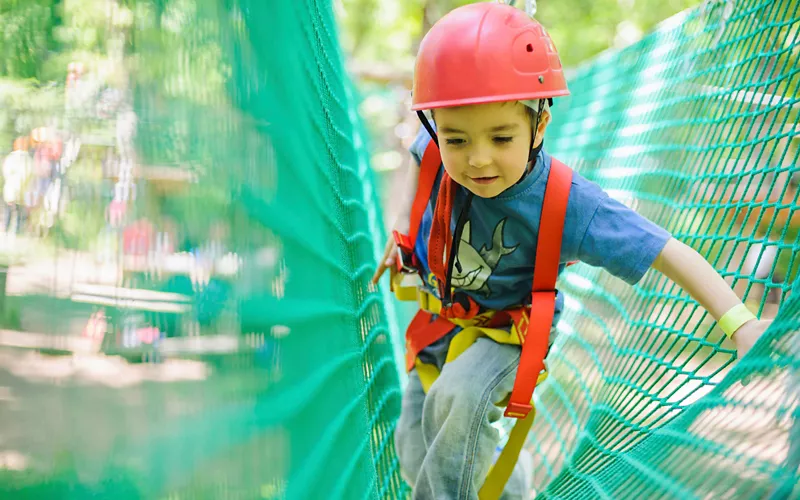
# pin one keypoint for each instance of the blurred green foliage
(388, 31)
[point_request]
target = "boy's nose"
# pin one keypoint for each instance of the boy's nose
(479, 161)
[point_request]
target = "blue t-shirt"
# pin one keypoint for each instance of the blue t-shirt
(498, 246)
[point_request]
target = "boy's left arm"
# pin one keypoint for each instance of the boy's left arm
(689, 270)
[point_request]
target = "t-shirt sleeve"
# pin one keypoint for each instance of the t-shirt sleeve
(420, 144)
(621, 241)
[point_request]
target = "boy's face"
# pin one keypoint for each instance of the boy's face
(485, 147)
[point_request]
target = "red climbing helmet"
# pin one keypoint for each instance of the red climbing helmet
(485, 52)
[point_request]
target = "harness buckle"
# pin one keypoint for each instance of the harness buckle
(423, 299)
(459, 306)
(406, 260)
(517, 410)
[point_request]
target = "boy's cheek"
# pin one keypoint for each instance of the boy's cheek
(452, 169)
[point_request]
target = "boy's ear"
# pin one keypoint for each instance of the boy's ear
(544, 121)
(546, 117)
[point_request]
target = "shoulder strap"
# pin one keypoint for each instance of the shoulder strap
(551, 227)
(429, 169)
(543, 301)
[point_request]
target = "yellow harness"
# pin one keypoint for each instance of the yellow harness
(501, 471)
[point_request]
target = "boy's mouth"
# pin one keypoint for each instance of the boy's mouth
(483, 180)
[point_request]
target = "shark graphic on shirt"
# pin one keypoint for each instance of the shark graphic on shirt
(476, 266)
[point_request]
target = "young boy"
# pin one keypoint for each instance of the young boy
(483, 239)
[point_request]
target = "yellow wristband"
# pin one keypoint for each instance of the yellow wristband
(734, 318)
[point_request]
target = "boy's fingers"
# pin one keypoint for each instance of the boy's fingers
(386, 262)
(376, 276)
(389, 250)
(378, 273)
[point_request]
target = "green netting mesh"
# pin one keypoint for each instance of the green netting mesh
(201, 325)
(187, 316)
(695, 127)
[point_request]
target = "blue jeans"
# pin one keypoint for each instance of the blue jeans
(445, 440)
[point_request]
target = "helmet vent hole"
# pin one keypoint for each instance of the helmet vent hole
(529, 47)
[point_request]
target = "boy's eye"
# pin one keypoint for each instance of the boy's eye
(455, 142)
(503, 139)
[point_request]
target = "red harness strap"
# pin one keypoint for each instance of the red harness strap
(543, 299)
(429, 169)
(441, 238)
(424, 330)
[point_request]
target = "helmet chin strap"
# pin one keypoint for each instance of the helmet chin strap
(531, 161)
(534, 152)
(428, 127)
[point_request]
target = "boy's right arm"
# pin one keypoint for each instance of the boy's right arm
(406, 194)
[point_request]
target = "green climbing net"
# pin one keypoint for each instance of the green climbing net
(696, 127)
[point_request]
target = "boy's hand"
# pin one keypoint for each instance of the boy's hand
(390, 251)
(387, 261)
(747, 335)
